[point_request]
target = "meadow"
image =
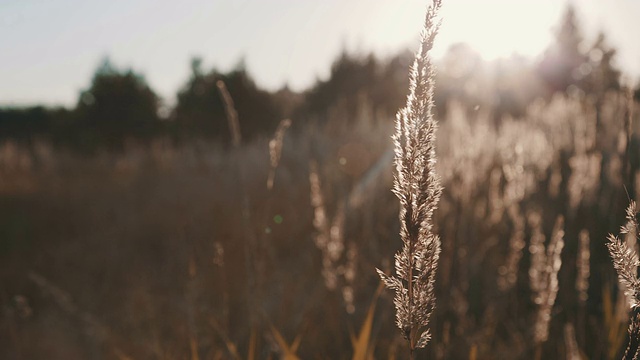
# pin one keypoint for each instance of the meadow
(143, 253)
(268, 247)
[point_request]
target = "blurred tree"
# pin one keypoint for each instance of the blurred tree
(288, 100)
(24, 124)
(117, 105)
(29, 124)
(350, 85)
(600, 73)
(505, 85)
(600, 76)
(561, 64)
(462, 76)
(390, 91)
(567, 63)
(200, 110)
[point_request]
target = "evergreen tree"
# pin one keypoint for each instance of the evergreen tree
(200, 109)
(560, 66)
(117, 105)
(603, 75)
(349, 86)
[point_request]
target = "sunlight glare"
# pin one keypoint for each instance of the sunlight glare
(499, 28)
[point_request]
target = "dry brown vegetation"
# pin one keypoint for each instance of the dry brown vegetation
(144, 253)
(269, 248)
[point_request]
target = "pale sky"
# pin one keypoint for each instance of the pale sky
(49, 49)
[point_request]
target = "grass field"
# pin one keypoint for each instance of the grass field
(268, 248)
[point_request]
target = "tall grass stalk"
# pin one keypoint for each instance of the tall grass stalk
(329, 235)
(418, 188)
(583, 265)
(232, 114)
(253, 289)
(509, 271)
(543, 276)
(628, 132)
(275, 151)
(625, 261)
(264, 245)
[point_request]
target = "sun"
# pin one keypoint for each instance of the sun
(493, 28)
(499, 28)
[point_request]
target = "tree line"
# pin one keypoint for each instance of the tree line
(119, 105)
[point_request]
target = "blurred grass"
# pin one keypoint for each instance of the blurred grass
(118, 233)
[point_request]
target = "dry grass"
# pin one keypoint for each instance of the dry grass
(418, 188)
(123, 234)
(159, 252)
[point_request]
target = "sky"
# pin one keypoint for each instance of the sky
(49, 49)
